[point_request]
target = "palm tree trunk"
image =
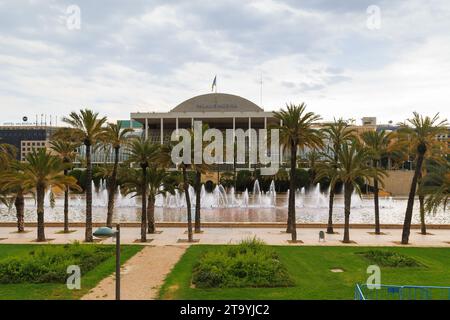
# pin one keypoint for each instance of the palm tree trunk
(234, 167)
(423, 226)
(377, 206)
(40, 213)
(291, 227)
(198, 178)
(348, 189)
(112, 189)
(412, 194)
(19, 203)
(88, 231)
(66, 206)
(151, 214)
(188, 205)
(144, 204)
(330, 229)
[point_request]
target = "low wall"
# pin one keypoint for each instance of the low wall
(398, 182)
(280, 225)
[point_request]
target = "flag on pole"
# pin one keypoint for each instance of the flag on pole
(214, 84)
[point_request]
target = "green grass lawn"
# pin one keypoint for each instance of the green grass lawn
(56, 290)
(310, 269)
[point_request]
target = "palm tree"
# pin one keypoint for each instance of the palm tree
(88, 128)
(41, 172)
(296, 132)
(436, 186)
(199, 169)
(352, 165)
(117, 137)
(143, 153)
(66, 150)
(337, 133)
(158, 183)
(184, 168)
(12, 195)
(422, 133)
(377, 144)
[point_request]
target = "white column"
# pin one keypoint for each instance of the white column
(249, 140)
(162, 131)
(234, 127)
(192, 123)
(146, 128)
(265, 122)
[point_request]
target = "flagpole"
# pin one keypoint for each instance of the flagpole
(261, 92)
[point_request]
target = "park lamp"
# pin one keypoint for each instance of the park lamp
(106, 232)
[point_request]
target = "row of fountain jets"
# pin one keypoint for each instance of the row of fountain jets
(218, 198)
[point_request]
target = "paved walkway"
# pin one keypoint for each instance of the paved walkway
(273, 236)
(141, 276)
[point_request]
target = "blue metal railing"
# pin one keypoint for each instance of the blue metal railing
(393, 292)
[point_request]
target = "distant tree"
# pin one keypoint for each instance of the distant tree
(143, 152)
(116, 136)
(377, 144)
(66, 150)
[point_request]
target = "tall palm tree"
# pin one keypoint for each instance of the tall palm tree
(66, 150)
(144, 153)
(88, 128)
(41, 172)
(336, 133)
(296, 132)
(116, 136)
(353, 165)
(377, 144)
(422, 132)
(12, 195)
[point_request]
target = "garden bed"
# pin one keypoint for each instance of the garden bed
(249, 264)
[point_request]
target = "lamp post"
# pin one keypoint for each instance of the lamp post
(105, 232)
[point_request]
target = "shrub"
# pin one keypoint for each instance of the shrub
(244, 180)
(209, 186)
(390, 259)
(249, 264)
(49, 264)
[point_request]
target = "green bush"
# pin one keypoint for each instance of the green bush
(209, 186)
(244, 180)
(390, 259)
(249, 264)
(48, 264)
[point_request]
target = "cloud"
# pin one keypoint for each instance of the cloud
(152, 55)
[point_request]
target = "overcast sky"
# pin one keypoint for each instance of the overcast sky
(132, 56)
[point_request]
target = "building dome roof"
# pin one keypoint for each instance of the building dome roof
(217, 102)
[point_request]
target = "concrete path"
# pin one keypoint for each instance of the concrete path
(273, 236)
(141, 276)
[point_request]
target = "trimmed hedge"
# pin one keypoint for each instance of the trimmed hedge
(48, 264)
(390, 259)
(249, 264)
